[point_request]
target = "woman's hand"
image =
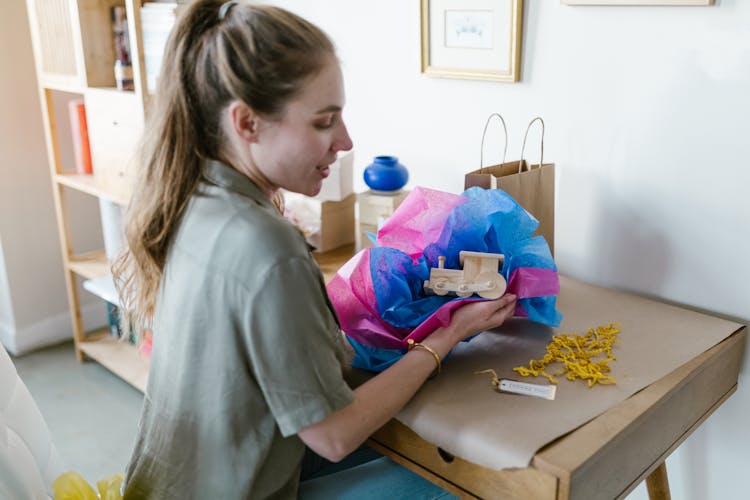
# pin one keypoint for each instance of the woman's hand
(480, 316)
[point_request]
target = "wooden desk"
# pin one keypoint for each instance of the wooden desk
(605, 458)
(331, 261)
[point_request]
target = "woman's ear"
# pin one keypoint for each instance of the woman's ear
(244, 122)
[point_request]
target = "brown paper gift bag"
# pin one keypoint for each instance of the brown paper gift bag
(532, 186)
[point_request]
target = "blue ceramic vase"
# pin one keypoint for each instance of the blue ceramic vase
(385, 173)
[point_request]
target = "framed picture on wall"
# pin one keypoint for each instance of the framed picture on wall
(472, 39)
(637, 2)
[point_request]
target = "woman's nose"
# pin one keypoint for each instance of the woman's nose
(343, 142)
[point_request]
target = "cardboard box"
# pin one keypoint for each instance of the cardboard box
(339, 183)
(325, 224)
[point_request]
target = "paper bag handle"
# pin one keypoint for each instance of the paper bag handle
(484, 134)
(541, 146)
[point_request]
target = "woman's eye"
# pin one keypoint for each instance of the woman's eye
(328, 123)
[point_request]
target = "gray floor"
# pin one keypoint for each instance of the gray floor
(92, 414)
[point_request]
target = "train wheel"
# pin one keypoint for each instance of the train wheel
(463, 291)
(494, 281)
(439, 286)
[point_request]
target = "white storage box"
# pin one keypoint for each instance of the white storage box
(374, 209)
(376, 206)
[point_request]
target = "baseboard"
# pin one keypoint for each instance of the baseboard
(53, 330)
(7, 339)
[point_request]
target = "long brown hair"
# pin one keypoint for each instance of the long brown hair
(260, 55)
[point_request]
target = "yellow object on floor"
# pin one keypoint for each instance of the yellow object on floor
(72, 486)
(578, 355)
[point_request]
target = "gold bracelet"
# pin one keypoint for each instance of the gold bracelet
(438, 364)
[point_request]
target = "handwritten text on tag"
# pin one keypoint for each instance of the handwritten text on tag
(526, 389)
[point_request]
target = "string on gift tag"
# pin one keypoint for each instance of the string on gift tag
(584, 357)
(495, 378)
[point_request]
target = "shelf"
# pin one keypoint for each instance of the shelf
(82, 182)
(119, 357)
(104, 288)
(111, 89)
(88, 184)
(90, 265)
(63, 87)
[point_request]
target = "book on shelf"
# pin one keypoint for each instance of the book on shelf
(104, 288)
(80, 135)
(113, 320)
(123, 64)
(113, 229)
(157, 20)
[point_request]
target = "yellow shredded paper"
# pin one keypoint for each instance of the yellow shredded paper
(584, 357)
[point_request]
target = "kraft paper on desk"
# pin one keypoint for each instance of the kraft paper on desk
(461, 413)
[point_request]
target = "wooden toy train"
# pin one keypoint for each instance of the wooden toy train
(479, 275)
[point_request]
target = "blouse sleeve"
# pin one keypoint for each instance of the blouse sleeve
(294, 343)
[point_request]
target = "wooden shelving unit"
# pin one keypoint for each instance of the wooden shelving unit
(74, 52)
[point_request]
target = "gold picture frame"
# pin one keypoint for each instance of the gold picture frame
(476, 40)
(637, 2)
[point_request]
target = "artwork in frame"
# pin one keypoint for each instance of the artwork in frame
(472, 39)
(637, 2)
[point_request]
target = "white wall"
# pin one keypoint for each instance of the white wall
(647, 120)
(33, 298)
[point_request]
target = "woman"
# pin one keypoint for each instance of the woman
(247, 352)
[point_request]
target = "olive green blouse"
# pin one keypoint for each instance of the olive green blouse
(246, 352)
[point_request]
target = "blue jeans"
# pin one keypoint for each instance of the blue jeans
(363, 475)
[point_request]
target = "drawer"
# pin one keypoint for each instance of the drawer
(460, 477)
(115, 123)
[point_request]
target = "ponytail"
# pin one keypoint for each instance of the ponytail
(260, 55)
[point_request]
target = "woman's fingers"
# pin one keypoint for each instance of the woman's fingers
(505, 306)
(506, 300)
(485, 315)
(500, 305)
(505, 312)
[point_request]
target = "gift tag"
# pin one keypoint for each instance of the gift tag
(526, 389)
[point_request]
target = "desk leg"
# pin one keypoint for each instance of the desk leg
(657, 483)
